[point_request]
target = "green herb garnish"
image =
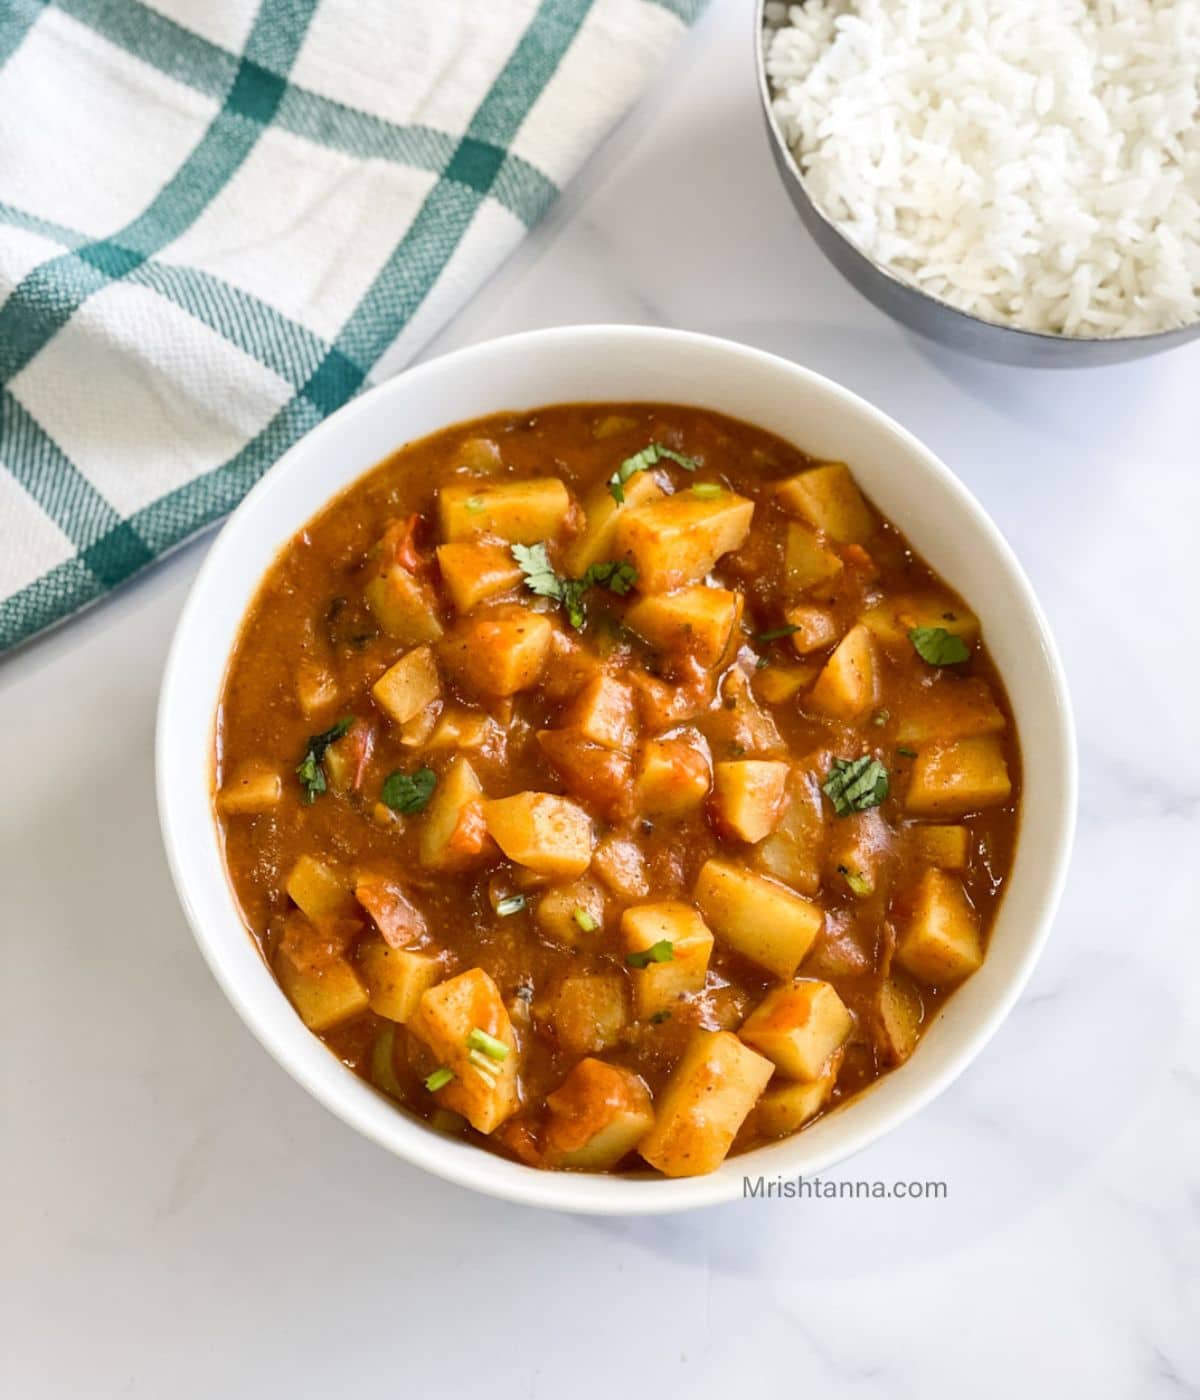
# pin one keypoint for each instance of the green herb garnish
(618, 576)
(939, 647)
(309, 770)
(487, 1045)
(659, 952)
(776, 634)
(907, 753)
(639, 462)
(587, 922)
(707, 490)
(659, 1017)
(512, 905)
(855, 784)
(857, 881)
(408, 793)
(439, 1079)
(880, 718)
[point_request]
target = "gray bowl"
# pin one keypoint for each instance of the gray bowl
(929, 315)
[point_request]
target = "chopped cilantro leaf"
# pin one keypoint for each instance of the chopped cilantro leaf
(639, 462)
(939, 647)
(309, 770)
(854, 785)
(408, 793)
(659, 952)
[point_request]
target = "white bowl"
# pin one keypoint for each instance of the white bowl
(909, 485)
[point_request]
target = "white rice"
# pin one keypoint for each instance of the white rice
(1034, 162)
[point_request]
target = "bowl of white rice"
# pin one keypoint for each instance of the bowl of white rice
(1016, 178)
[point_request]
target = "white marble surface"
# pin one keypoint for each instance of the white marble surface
(179, 1219)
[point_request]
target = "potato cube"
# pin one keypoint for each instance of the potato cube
(521, 512)
(603, 713)
(596, 543)
(696, 621)
(467, 731)
(406, 688)
(953, 707)
(848, 683)
(895, 617)
(711, 1090)
(484, 1089)
(571, 914)
(474, 572)
(897, 1021)
(799, 1027)
(776, 684)
(860, 852)
(319, 890)
(672, 777)
(496, 655)
(950, 780)
(589, 771)
(316, 688)
(808, 562)
(403, 606)
(677, 540)
(947, 847)
(658, 984)
(396, 978)
(325, 991)
(793, 852)
(598, 1115)
(940, 943)
(749, 797)
(547, 834)
(829, 499)
(587, 1013)
(784, 1109)
(816, 629)
(763, 921)
(619, 863)
(253, 786)
(453, 832)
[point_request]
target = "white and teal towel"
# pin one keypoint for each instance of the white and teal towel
(220, 219)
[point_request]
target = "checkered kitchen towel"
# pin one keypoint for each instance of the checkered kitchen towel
(220, 219)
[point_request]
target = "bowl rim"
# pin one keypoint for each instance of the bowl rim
(404, 1135)
(783, 153)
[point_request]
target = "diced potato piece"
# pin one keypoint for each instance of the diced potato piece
(547, 834)
(252, 787)
(468, 731)
(741, 720)
(590, 771)
(454, 833)
(775, 684)
(478, 454)
(322, 986)
(947, 847)
(619, 863)
(848, 683)
(598, 1115)
(319, 890)
(765, 922)
(672, 777)
(474, 571)
(786, 1109)
(398, 920)
(658, 984)
(829, 499)
(712, 1089)
(677, 540)
(396, 978)
(953, 707)
(316, 688)
(949, 780)
(560, 908)
(569, 667)
(403, 606)
(661, 706)
(892, 619)
(697, 621)
(484, 1093)
(749, 797)
(860, 851)
(498, 655)
(897, 1025)
(596, 543)
(521, 512)
(793, 852)
(816, 629)
(799, 1027)
(587, 1013)
(808, 562)
(940, 942)
(603, 713)
(406, 688)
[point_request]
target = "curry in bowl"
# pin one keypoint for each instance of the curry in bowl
(612, 786)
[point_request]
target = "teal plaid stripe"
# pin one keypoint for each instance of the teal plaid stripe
(255, 92)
